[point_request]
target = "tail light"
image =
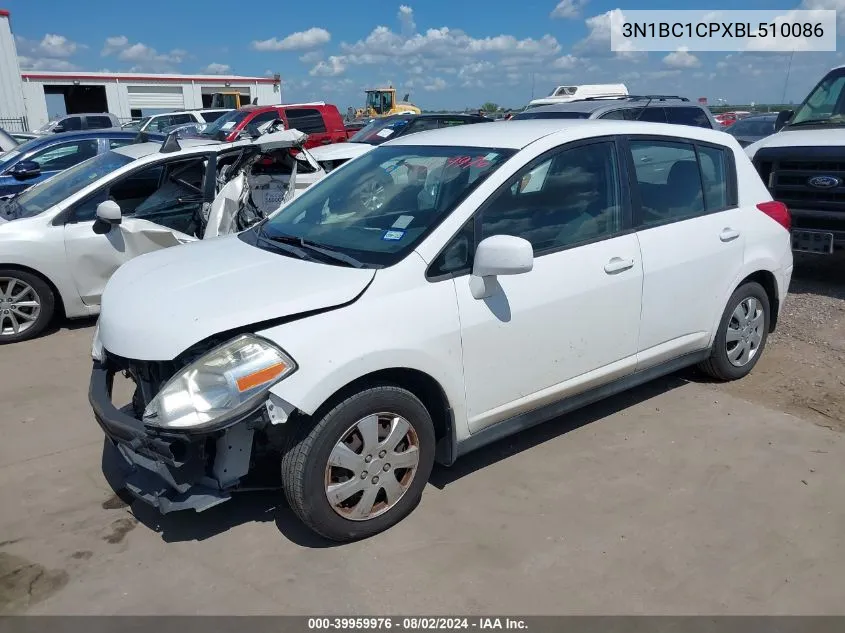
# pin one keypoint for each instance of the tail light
(777, 211)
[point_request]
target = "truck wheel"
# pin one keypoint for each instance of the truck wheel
(363, 466)
(742, 334)
(26, 305)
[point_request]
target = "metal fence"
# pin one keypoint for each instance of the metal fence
(14, 124)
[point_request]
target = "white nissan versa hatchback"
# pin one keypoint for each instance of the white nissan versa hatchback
(514, 272)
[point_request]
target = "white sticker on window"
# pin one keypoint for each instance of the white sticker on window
(402, 222)
(228, 125)
(385, 132)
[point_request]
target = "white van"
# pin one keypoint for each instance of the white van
(565, 94)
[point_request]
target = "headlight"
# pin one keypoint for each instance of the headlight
(220, 385)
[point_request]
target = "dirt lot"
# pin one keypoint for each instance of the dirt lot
(680, 497)
(803, 368)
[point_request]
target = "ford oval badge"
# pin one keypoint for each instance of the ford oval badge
(824, 182)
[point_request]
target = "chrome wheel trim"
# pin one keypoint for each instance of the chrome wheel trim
(372, 466)
(745, 332)
(20, 306)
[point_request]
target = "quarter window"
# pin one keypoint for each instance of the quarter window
(714, 174)
(572, 197)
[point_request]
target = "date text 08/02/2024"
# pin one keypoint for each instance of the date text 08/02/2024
(415, 623)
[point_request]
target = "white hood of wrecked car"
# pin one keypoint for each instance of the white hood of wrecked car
(158, 305)
(818, 137)
(340, 151)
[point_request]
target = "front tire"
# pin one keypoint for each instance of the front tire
(363, 467)
(742, 334)
(27, 304)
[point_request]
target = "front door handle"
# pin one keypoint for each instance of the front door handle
(728, 234)
(617, 265)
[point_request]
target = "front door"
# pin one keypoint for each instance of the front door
(572, 322)
(161, 207)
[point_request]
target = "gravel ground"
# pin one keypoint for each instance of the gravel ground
(802, 370)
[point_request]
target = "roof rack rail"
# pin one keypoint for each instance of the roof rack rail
(656, 98)
(171, 144)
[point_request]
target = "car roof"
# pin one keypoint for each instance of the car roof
(108, 114)
(108, 132)
(256, 108)
(521, 133)
(140, 150)
(593, 105)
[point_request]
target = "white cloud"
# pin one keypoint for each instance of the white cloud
(565, 62)
(299, 41)
(45, 63)
(311, 57)
(597, 42)
(568, 9)
(837, 5)
(51, 45)
(333, 67)
(216, 69)
(436, 84)
(406, 19)
(681, 58)
(114, 44)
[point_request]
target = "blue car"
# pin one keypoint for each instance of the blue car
(45, 156)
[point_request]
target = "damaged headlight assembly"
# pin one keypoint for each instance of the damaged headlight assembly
(219, 386)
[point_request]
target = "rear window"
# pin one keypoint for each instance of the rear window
(688, 116)
(552, 115)
(308, 120)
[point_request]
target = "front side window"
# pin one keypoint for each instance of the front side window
(72, 123)
(572, 197)
(64, 155)
(179, 119)
(50, 192)
(379, 206)
(260, 119)
(826, 102)
(99, 122)
(226, 123)
(668, 179)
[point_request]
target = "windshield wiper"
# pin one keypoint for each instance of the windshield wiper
(828, 121)
(311, 246)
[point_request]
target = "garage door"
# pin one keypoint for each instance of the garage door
(156, 97)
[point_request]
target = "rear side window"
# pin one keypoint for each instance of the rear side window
(98, 122)
(688, 116)
(677, 180)
(653, 115)
(308, 120)
(179, 119)
(72, 123)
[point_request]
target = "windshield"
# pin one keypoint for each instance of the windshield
(551, 115)
(47, 193)
(379, 206)
(826, 102)
(225, 123)
(379, 131)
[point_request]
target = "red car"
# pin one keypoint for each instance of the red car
(320, 121)
(726, 119)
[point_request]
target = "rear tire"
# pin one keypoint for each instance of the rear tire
(742, 334)
(27, 304)
(365, 432)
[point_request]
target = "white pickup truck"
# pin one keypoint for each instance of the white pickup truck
(803, 165)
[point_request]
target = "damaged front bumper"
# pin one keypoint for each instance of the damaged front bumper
(168, 470)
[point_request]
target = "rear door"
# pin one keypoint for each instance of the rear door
(684, 194)
(311, 122)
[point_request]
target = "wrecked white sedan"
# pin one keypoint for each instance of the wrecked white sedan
(62, 240)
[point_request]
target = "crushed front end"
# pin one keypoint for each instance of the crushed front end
(182, 468)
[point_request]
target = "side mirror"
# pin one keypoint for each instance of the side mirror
(783, 118)
(25, 170)
(109, 212)
(499, 255)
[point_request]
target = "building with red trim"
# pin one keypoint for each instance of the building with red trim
(24, 93)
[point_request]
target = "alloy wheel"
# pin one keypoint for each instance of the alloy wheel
(372, 195)
(20, 306)
(372, 466)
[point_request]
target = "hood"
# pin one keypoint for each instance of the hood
(157, 305)
(818, 137)
(340, 151)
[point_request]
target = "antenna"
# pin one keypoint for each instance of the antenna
(786, 82)
(643, 109)
(170, 144)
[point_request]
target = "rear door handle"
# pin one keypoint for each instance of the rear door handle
(617, 265)
(728, 234)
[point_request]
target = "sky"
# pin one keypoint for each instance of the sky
(448, 54)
